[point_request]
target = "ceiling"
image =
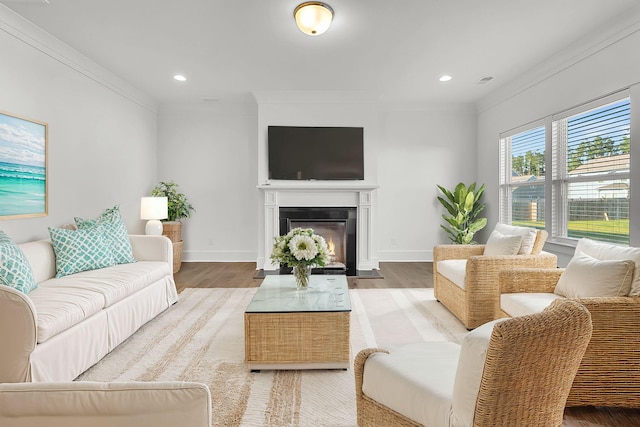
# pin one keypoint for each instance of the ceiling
(392, 50)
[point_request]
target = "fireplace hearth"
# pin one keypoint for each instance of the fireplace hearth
(337, 225)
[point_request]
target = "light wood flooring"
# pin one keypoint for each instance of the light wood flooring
(395, 275)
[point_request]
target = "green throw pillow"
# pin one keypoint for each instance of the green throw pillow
(80, 250)
(115, 232)
(15, 270)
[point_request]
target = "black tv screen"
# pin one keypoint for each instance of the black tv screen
(316, 153)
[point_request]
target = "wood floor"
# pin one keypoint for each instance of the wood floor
(395, 275)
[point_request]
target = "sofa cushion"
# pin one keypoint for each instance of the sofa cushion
(415, 380)
(80, 250)
(469, 373)
(608, 251)
(521, 304)
(115, 233)
(586, 276)
(58, 308)
(454, 270)
(502, 244)
(15, 270)
(116, 282)
(528, 234)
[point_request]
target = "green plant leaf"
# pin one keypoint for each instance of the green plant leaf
(447, 206)
(477, 225)
(447, 194)
(460, 193)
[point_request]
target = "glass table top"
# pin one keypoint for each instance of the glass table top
(278, 294)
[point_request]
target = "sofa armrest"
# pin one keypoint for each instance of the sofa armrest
(151, 248)
(18, 335)
(541, 280)
(129, 404)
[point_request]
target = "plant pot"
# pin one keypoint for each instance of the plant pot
(173, 230)
(177, 256)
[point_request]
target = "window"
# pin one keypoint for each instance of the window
(591, 177)
(522, 172)
(587, 152)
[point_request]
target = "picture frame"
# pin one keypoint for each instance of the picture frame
(23, 167)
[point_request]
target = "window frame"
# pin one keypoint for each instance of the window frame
(506, 185)
(556, 178)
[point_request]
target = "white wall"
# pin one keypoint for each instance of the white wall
(102, 133)
(590, 72)
(210, 151)
(421, 147)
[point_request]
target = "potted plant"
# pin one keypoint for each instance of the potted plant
(463, 206)
(178, 207)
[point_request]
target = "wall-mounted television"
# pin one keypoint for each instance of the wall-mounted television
(315, 153)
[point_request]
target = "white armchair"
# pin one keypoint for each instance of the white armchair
(508, 372)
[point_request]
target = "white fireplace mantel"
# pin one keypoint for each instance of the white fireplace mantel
(320, 194)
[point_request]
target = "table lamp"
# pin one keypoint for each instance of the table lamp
(153, 209)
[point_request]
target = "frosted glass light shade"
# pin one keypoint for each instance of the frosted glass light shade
(154, 209)
(313, 17)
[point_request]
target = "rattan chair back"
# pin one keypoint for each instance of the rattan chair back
(530, 366)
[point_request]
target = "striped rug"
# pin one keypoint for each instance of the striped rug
(201, 338)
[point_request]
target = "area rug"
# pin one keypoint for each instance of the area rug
(201, 338)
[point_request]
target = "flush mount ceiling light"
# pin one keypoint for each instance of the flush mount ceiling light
(313, 17)
(180, 78)
(445, 78)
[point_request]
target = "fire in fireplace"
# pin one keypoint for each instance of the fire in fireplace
(336, 225)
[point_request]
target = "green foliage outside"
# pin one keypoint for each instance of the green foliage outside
(532, 162)
(613, 231)
(463, 206)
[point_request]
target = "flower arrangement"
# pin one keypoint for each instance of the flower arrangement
(301, 249)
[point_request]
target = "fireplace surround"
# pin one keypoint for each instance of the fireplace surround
(319, 194)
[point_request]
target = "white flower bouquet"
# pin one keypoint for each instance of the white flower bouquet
(301, 249)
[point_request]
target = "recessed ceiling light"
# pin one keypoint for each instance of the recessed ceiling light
(445, 78)
(180, 78)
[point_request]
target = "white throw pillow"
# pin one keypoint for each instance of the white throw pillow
(502, 244)
(528, 234)
(469, 373)
(586, 276)
(609, 251)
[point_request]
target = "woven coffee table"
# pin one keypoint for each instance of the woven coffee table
(285, 328)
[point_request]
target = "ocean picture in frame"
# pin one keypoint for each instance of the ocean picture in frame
(23, 167)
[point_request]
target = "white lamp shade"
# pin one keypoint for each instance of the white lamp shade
(154, 208)
(313, 18)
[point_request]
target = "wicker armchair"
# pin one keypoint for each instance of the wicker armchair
(479, 301)
(524, 379)
(609, 374)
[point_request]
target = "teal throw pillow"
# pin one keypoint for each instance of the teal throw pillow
(115, 232)
(15, 270)
(80, 250)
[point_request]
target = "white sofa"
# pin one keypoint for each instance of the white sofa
(67, 324)
(129, 404)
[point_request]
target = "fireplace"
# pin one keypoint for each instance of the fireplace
(338, 227)
(322, 196)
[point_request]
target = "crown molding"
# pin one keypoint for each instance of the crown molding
(38, 39)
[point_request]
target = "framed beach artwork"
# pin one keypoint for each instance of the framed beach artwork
(23, 167)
